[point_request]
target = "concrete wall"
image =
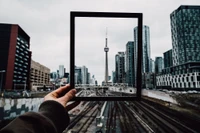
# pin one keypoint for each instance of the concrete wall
(129, 90)
(10, 108)
(159, 95)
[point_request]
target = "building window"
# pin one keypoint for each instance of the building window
(194, 84)
(22, 41)
(187, 79)
(198, 78)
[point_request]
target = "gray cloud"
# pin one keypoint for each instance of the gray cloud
(47, 23)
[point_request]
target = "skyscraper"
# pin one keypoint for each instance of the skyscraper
(15, 57)
(168, 59)
(185, 31)
(84, 75)
(61, 71)
(152, 65)
(78, 77)
(88, 78)
(113, 77)
(159, 65)
(129, 65)
(120, 67)
(145, 48)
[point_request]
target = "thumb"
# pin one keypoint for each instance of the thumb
(68, 96)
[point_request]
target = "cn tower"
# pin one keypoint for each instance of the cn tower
(106, 49)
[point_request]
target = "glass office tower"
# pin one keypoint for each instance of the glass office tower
(185, 29)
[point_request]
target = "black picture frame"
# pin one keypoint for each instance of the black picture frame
(139, 16)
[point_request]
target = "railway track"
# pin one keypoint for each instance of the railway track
(133, 124)
(81, 122)
(159, 121)
(128, 117)
(189, 120)
(119, 115)
(111, 119)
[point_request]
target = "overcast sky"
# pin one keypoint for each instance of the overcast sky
(47, 23)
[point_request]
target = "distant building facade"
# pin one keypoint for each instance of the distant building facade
(129, 63)
(78, 77)
(40, 74)
(180, 81)
(145, 47)
(120, 67)
(92, 80)
(148, 80)
(96, 82)
(88, 78)
(84, 74)
(53, 76)
(113, 77)
(168, 62)
(158, 65)
(66, 75)
(61, 71)
(152, 66)
(15, 57)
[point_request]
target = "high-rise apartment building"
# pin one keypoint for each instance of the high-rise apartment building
(159, 65)
(129, 63)
(120, 67)
(15, 57)
(61, 71)
(145, 48)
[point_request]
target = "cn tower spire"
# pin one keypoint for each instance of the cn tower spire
(106, 36)
(106, 49)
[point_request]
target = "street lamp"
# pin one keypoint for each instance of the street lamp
(2, 71)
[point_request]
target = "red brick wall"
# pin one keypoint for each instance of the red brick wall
(11, 58)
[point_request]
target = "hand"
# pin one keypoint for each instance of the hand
(63, 95)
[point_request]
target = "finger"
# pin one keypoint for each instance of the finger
(61, 91)
(72, 105)
(69, 95)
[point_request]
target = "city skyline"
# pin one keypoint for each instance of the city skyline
(94, 56)
(50, 33)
